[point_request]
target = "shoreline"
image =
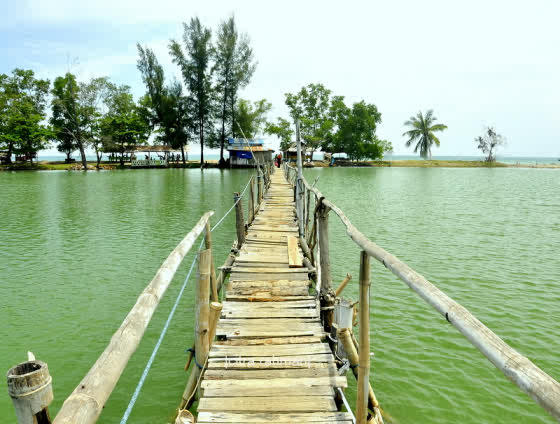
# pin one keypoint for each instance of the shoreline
(408, 163)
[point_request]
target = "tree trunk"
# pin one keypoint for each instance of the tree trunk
(9, 156)
(68, 156)
(312, 152)
(122, 158)
(83, 154)
(223, 138)
(201, 143)
(98, 156)
(183, 154)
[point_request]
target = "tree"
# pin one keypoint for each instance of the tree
(311, 106)
(234, 68)
(23, 100)
(69, 119)
(92, 97)
(283, 130)
(489, 142)
(197, 73)
(422, 129)
(354, 131)
(251, 118)
(167, 108)
(123, 127)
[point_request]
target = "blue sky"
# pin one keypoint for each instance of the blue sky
(476, 63)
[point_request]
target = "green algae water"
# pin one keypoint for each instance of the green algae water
(76, 249)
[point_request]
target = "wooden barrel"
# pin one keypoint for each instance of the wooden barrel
(30, 387)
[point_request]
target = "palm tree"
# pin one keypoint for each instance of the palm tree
(422, 132)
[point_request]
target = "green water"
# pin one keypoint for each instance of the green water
(76, 249)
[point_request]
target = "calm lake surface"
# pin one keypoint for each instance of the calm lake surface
(76, 249)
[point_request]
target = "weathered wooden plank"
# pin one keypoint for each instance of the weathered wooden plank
(275, 404)
(266, 297)
(238, 268)
(271, 313)
(269, 305)
(219, 351)
(269, 341)
(271, 330)
(267, 374)
(268, 291)
(333, 381)
(314, 417)
(267, 391)
(295, 259)
(248, 275)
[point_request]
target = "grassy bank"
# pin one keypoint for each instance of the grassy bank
(77, 166)
(431, 164)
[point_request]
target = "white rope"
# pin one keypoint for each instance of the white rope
(345, 401)
(136, 393)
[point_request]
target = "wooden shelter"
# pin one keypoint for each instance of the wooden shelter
(243, 151)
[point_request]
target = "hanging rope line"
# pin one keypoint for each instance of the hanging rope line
(136, 393)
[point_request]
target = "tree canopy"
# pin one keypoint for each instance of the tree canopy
(488, 142)
(196, 68)
(23, 100)
(421, 133)
(251, 117)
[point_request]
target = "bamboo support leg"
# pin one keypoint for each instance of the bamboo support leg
(213, 283)
(202, 324)
(342, 285)
(363, 364)
(239, 220)
(251, 204)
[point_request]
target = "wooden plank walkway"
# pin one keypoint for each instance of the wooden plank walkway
(270, 363)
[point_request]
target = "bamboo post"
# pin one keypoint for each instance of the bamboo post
(30, 387)
(208, 245)
(239, 220)
(308, 203)
(345, 337)
(259, 189)
(327, 294)
(342, 285)
(201, 325)
(215, 312)
(363, 366)
(202, 317)
(251, 203)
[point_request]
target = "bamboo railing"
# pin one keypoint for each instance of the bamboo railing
(516, 367)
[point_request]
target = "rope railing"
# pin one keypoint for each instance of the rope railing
(525, 374)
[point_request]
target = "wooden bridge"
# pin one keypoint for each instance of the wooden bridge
(275, 344)
(270, 363)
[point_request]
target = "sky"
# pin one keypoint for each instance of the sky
(476, 63)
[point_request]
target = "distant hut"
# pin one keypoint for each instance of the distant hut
(290, 155)
(165, 155)
(241, 152)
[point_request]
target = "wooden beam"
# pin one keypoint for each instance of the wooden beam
(294, 257)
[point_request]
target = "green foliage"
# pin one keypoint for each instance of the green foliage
(123, 127)
(234, 67)
(283, 130)
(23, 100)
(489, 142)
(421, 133)
(164, 107)
(311, 107)
(354, 131)
(251, 117)
(197, 74)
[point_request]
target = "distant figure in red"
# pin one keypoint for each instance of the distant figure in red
(278, 160)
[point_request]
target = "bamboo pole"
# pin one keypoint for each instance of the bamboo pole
(342, 285)
(201, 324)
(540, 386)
(88, 399)
(239, 220)
(345, 337)
(208, 245)
(363, 364)
(251, 203)
(215, 311)
(30, 387)
(259, 190)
